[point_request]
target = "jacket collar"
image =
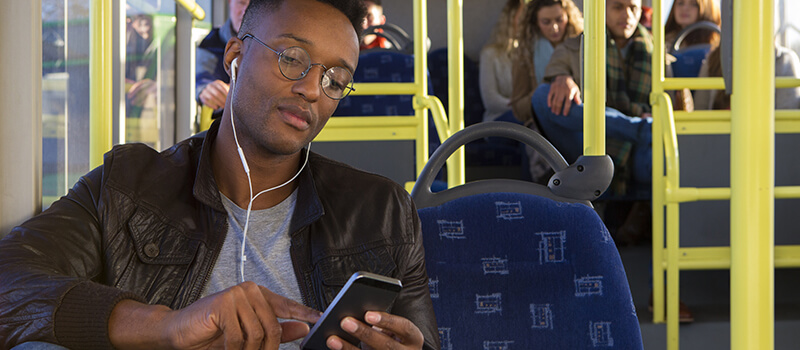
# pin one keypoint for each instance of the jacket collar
(308, 209)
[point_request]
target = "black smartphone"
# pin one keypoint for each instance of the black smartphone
(363, 292)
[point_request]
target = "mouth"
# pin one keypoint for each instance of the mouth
(297, 117)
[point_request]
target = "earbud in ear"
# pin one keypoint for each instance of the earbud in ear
(234, 65)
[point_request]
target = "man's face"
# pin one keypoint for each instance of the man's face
(236, 10)
(622, 17)
(375, 15)
(278, 115)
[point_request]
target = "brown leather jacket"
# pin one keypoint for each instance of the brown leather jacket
(149, 226)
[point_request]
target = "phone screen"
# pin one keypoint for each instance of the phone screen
(363, 292)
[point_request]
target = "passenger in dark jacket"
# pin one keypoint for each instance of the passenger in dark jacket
(135, 255)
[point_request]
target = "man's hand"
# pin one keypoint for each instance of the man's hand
(241, 317)
(214, 94)
(386, 332)
(563, 91)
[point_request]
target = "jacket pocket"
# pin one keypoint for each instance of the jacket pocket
(336, 269)
(164, 254)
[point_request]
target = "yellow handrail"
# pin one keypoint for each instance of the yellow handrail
(197, 12)
(455, 68)
(100, 82)
(594, 71)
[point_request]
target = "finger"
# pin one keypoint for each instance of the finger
(568, 102)
(293, 330)
(251, 324)
(400, 327)
(336, 343)
(290, 309)
(559, 102)
(217, 94)
(206, 99)
(271, 329)
(578, 97)
(367, 334)
(230, 326)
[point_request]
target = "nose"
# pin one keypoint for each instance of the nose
(309, 86)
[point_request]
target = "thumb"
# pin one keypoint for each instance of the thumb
(293, 330)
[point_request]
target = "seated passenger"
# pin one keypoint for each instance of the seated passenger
(495, 64)
(545, 25)
(375, 17)
(683, 14)
(558, 107)
(150, 249)
(787, 64)
(211, 79)
(687, 12)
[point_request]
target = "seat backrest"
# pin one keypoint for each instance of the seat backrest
(473, 104)
(519, 271)
(519, 265)
(380, 66)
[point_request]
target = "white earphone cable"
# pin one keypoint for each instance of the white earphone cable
(243, 257)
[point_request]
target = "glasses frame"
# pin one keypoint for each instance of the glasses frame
(348, 88)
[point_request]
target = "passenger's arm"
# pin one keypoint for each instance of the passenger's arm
(243, 316)
(205, 65)
(51, 265)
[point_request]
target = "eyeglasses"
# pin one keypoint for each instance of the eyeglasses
(295, 62)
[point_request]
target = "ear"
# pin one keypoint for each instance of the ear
(383, 19)
(233, 49)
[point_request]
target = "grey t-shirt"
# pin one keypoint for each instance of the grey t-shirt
(268, 261)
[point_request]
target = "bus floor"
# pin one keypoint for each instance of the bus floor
(707, 293)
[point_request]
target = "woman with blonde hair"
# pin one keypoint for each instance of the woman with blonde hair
(545, 25)
(495, 64)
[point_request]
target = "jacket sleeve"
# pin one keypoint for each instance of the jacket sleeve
(522, 87)
(414, 301)
(52, 266)
(559, 63)
(204, 70)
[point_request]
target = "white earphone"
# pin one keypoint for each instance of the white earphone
(234, 66)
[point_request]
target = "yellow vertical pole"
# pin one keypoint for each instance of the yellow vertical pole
(753, 177)
(420, 79)
(100, 80)
(658, 184)
(455, 71)
(594, 78)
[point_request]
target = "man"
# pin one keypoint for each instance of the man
(374, 17)
(144, 252)
(558, 105)
(211, 80)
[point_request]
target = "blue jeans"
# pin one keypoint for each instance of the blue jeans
(566, 132)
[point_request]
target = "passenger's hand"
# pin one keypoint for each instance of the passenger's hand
(241, 317)
(563, 91)
(214, 94)
(385, 331)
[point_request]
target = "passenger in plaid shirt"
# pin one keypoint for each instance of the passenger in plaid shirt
(558, 105)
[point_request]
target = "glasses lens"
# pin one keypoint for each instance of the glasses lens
(336, 83)
(294, 63)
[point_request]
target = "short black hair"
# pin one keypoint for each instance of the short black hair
(353, 9)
